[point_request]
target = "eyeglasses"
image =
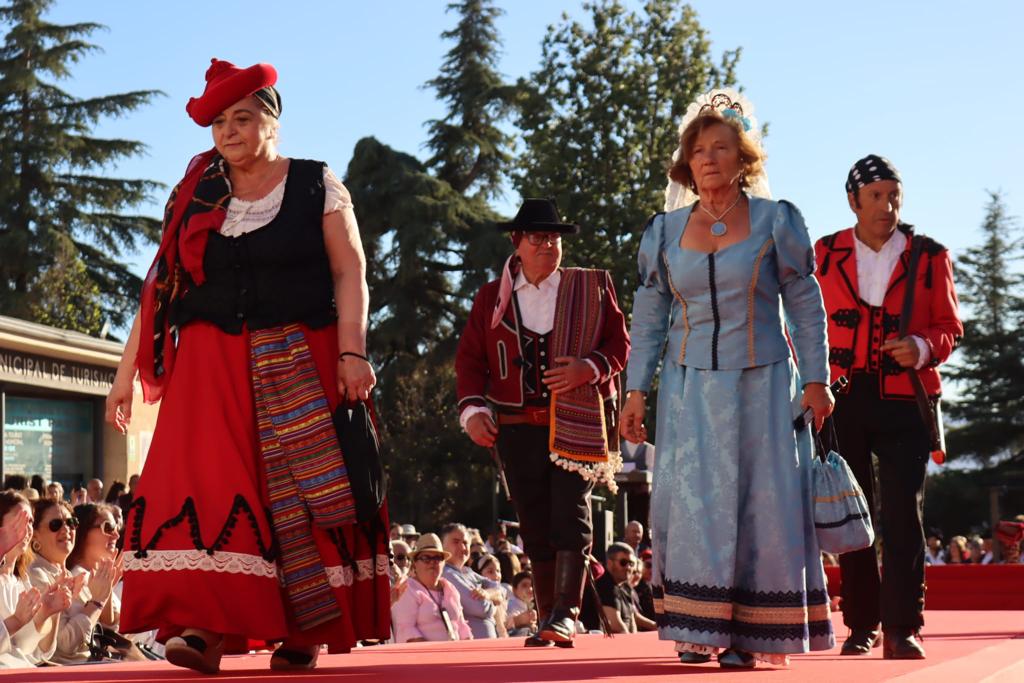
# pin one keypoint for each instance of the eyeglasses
(57, 522)
(109, 528)
(625, 563)
(539, 238)
(401, 559)
(430, 559)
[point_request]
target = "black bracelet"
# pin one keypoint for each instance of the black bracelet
(342, 355)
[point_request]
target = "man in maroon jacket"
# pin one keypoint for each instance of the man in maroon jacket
(863, 272)
(535, 370)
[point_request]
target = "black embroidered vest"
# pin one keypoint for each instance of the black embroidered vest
(274, 275)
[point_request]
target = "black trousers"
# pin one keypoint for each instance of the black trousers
(894, 432)
(553, 504)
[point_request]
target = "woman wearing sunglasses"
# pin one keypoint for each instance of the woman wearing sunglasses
(430, 607)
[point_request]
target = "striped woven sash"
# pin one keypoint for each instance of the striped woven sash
(579, 437)
(306, 477)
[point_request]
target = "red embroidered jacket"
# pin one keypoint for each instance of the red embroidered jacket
(488, 362)
(857, 330)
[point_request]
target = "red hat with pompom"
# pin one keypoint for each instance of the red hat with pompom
(225, 85)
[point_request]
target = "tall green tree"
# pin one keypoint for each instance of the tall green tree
(65, 297)
(55, 196)
(599, 120)
(989, 367)
(469, 150)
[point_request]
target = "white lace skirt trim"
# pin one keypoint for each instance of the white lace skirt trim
(200, 560)
(365, 570)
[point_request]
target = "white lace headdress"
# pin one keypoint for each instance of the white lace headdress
(729, 103)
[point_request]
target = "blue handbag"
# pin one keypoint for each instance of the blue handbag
(842, 520)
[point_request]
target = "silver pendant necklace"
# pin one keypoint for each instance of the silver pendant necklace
(718, 228)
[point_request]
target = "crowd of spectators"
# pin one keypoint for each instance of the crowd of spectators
(60, 575)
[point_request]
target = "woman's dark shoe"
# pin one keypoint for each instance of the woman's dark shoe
(191, 651)
(287, 659)
(901, 643)
(537, 641)
(860, 642)
(694, 658)
(736, 659)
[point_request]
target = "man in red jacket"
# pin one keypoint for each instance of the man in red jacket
(863, 272)
(535, 371)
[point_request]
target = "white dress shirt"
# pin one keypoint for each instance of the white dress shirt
(537, 305)
(874, 271)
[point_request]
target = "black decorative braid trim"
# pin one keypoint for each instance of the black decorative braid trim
(744, 596)
(890, 368)
(739, 628)
(846, 317)
(891, 323)
(853, 517)
(714, 311)
(840, 356)
(268, 551)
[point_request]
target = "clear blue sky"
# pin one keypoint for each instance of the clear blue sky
(935, 86)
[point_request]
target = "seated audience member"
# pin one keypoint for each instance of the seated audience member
(117, 489)
(614, 590)
(640, 454)
(976, 550)
(521, 617)
(958, 553)
(30, 618)
(55, 491)
(489, 567)
(399, 569)
(79, 496)
(634, 537)
(480, 596)
(430, 607)
(409, 535)
(642, 622)
(95, 555)
(643, 590)
(39, 484)
(395, 532)
(94, 491)
(933, 551)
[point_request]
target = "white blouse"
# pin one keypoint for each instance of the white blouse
(245, 216)
(25, 648)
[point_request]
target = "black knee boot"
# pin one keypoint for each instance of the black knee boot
(560, 626)
(543, 572)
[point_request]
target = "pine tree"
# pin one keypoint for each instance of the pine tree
(599, 121)
(989, 366)
(54, 195)
(66, 297)
(469, 150)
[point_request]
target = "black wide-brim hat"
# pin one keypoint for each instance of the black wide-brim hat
(538, 215)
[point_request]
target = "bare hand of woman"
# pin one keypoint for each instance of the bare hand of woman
(482, 430)
(56, 599)
(29, 603)
(119, 403)
(569, 374)
(102, 580)
(631, 420)
(818, 397)
(355, 378)
(12, 534)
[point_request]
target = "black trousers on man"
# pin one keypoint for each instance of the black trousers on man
(894, 431)
(552, 503)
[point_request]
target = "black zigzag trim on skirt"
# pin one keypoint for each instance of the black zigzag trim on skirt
(240, 507)
(739, 628)
(743, 596)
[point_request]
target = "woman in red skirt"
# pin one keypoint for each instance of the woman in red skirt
(251, 332)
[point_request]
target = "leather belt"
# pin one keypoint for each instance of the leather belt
(531, 416)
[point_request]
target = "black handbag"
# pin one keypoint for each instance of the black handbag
(360, 448)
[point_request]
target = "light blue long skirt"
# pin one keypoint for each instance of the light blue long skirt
(736, 561)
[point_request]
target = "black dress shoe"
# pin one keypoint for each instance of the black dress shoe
(860, 642)
(537, 641)
(901, 643)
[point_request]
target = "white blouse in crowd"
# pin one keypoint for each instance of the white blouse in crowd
(245, 216)
(28, 646)
(874, 271)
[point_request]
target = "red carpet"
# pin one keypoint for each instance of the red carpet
(965, 586)
(962, 646)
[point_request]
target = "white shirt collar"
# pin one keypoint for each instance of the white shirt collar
(550, 282)
(897, 242)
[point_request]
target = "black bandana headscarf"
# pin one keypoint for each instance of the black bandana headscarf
(271, 99)
(870, 169)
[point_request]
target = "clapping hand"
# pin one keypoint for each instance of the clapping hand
(57, 598)
(14, 533)
(29, 603)
(101, 582)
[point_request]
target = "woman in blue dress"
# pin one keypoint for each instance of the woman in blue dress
(737, 569)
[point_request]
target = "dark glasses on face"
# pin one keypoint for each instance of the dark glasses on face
(401, 559)
(430, 559)
(109, 528)
(56, 523)
(625, 563)
(539, 238)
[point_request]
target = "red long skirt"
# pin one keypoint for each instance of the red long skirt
(200, 516)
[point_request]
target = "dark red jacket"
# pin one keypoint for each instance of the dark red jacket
(485, 362)
(935, 316)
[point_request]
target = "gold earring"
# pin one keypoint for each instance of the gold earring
(36, 547)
